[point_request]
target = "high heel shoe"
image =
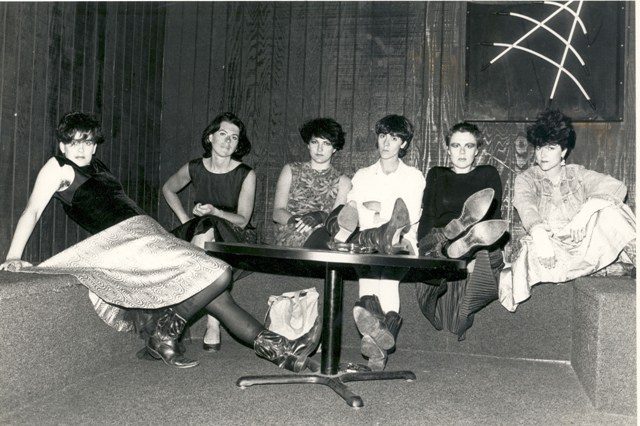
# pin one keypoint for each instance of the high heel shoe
(211, 340)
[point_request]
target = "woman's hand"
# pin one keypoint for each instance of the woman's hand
(543, 247)
(204, 209)
(14, 265)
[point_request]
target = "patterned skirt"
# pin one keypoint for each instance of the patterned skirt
(133, 267)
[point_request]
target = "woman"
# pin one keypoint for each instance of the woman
(224, 193)
(387, 197)
(131, 264)
(455, 199)
(307, 192)
(575, 218)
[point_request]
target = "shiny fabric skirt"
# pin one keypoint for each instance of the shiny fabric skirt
(133, 269)
(607, 233)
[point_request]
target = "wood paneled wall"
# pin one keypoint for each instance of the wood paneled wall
(103, 58)
(278, 64)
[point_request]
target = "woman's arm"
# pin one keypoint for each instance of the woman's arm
(525, 200)
(49, 180)
(170, 189)
(280, 213)
(344, 186)
(245, 203)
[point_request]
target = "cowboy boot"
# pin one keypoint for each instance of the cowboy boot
(433, 244)
(482, 234)
(388, 235)
(163, 343)
(342, 222)
(377, 355)
(369, 319)
(292, 355)
(473, 210)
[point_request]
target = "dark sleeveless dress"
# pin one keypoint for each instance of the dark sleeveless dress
(221, 190)
(130, 261)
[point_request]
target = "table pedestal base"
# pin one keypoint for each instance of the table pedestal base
(337, 382)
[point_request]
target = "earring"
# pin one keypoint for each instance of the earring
(562, 163)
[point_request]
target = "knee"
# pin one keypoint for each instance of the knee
(224, 280)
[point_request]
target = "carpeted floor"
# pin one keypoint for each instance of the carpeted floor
(450, 389)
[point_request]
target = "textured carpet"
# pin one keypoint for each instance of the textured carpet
(450, 389)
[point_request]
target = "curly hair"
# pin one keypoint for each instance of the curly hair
(465, 127)
(552, 127)
(76, 121)
(244, 145)
(396, 125)
(326, 128)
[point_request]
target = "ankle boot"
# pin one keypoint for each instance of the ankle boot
(474, 209)
(342, 222)
(433, 243)
(378, 356)
(369, 319)
(482, 234)
(386, 236)
(163, 343)
(288, 354)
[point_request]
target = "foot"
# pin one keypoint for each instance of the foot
(376, 355)
(480, 235)
(369, 325)
(473, 210)
(397, 225)
(347, 221)
(211, 340)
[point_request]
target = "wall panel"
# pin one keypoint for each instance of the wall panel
(279, 64)
(88, 56)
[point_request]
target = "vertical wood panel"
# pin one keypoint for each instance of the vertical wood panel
(55, 57)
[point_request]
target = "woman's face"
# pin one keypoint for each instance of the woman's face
(320, 149)
(81, 149)
(225, 141)
(549, 156)
(462, 151)
(389, 145)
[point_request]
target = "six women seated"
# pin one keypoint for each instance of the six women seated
(387, 207)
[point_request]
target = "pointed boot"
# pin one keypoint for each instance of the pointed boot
(482, 234)
(388, 235)
(292, 355)
(163, 343)
(377, 356)
(474, 209)
(369, 319)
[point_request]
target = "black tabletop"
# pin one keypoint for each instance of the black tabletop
(314, 263)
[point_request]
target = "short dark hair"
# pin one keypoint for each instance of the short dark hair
(552, 127)
(465, 127)
(244, 146)
(396, 125)
(76, 121)
(326, 128)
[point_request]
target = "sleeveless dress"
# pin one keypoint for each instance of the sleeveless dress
(130, 264)
(311, 190)
(222, 190)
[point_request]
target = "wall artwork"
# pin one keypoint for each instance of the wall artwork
(524, 57)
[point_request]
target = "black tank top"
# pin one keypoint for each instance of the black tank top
(219, 189)
(95, 200)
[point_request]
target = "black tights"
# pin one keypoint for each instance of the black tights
(217, 301)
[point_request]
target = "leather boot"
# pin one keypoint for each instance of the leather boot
(163, 343)
(288, 354)
(369, 319)
(474, 209)
(378, 356)
(482, 234)
(433, 244)
(342, 222)
(386, 236)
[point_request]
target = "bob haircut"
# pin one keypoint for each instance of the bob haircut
(244, 146)
(326, 128)
(396, 125)
(74, 122)
(465, 127)
(552, 127)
